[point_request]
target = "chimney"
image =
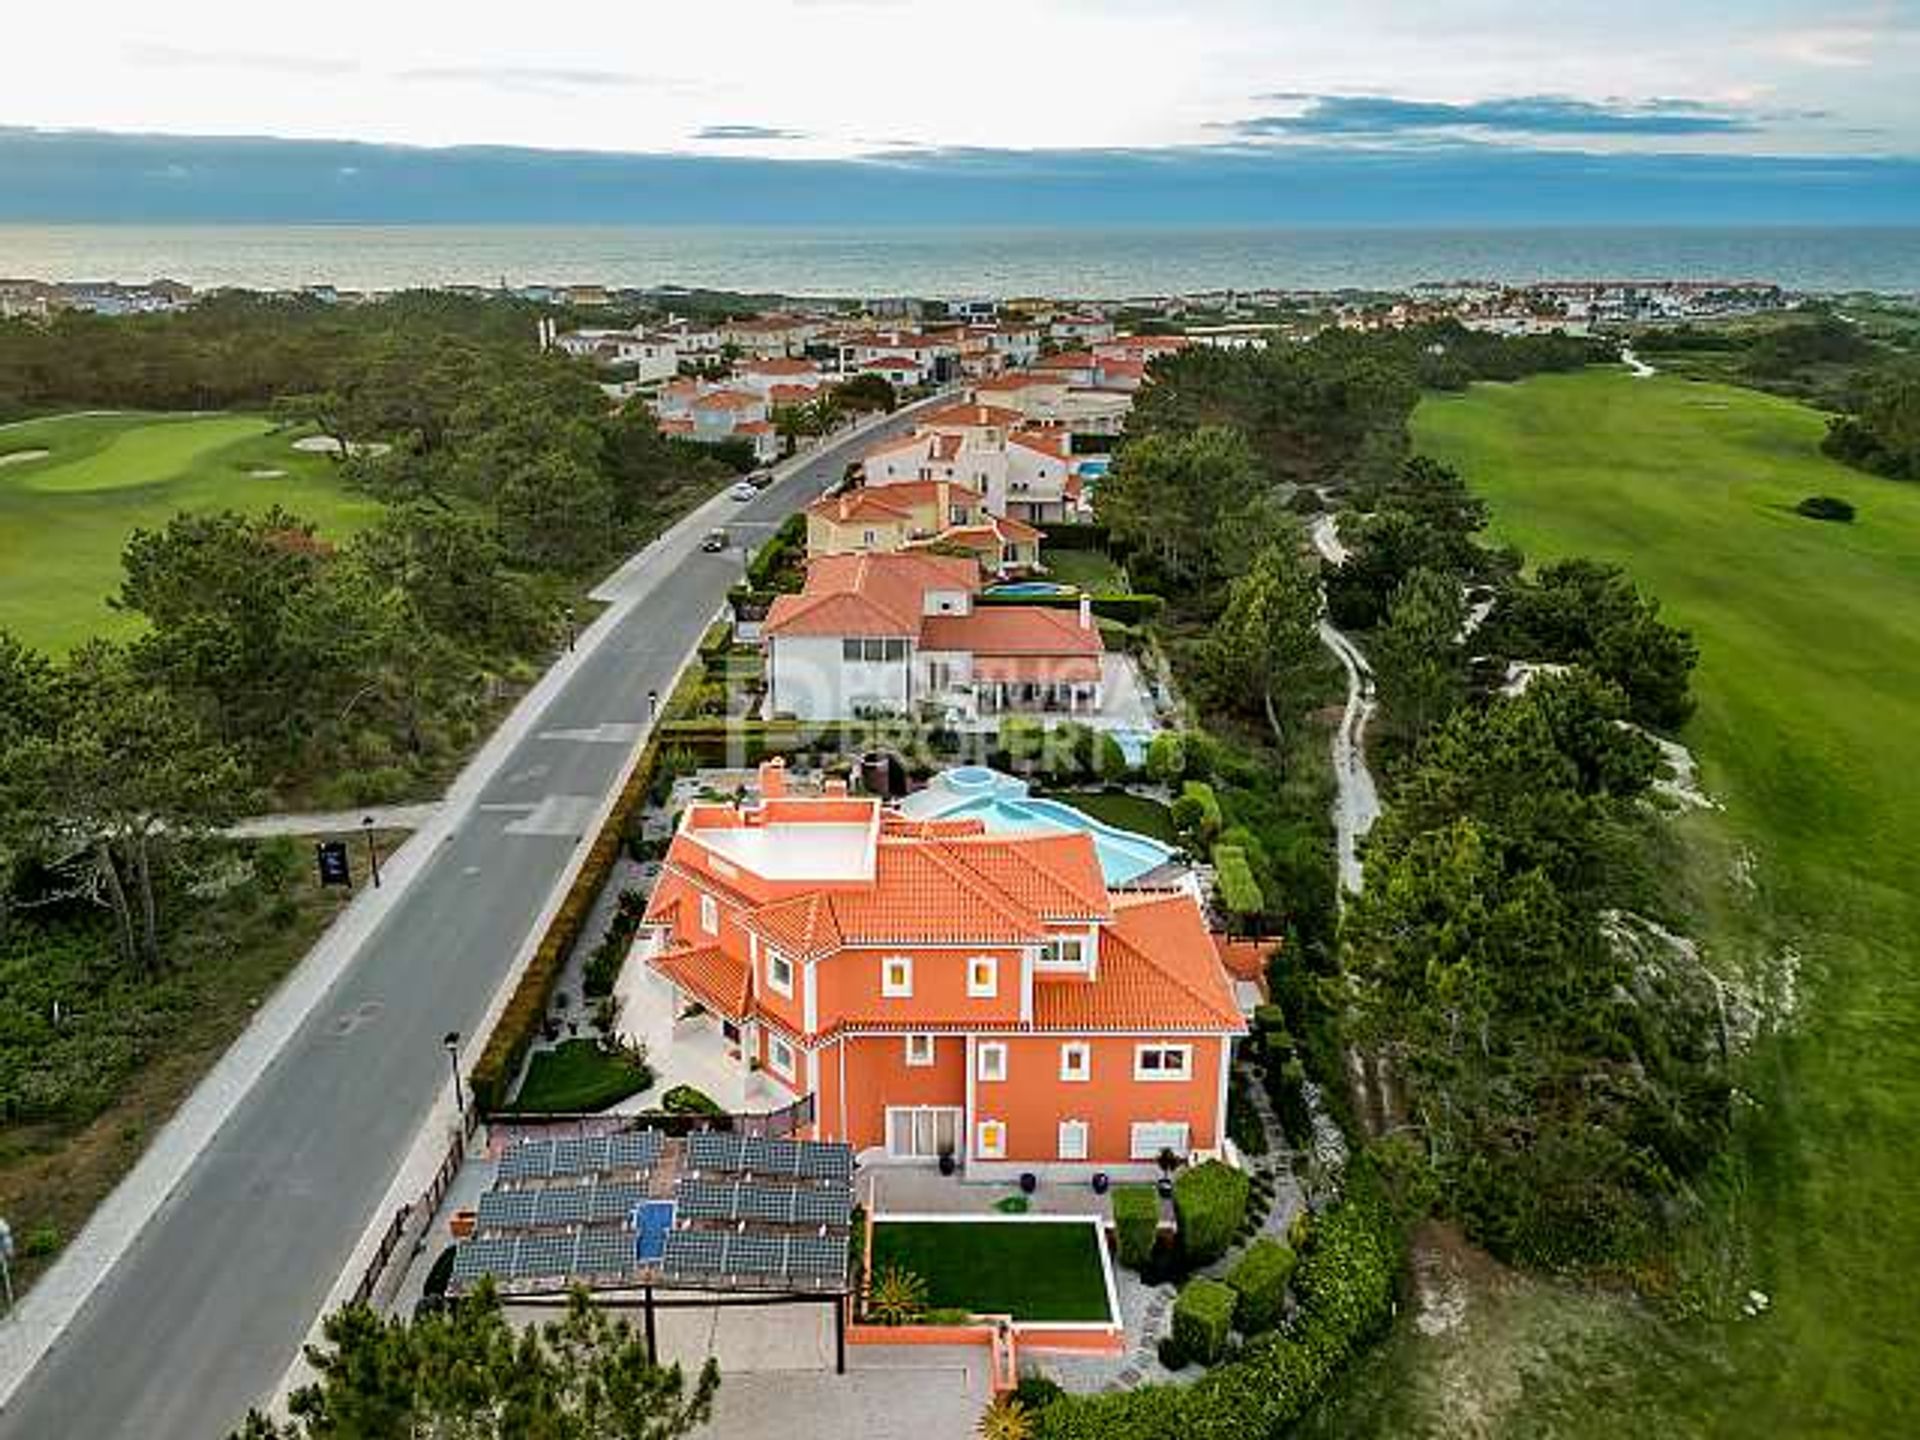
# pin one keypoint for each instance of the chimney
(836, 788)
(773, 778)
(1086, 612)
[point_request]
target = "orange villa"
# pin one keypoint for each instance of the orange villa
(934, 989)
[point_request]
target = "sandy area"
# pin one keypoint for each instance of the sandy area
(21, 457)
(327, 445)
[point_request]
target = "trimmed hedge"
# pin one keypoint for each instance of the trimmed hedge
(1345, 1288)
(1209, 1202)
(1259, 1278)
(1197, 812)
(1233, 879)
(1136, 1220)
(526, 1009)
(1127, 609)
(1075, 535)
(1203, 1319)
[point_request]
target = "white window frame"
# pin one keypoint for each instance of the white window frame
(776, 962)
(1083, 1140)
(997, 1071)
(987, 989)
(775, 1045)
(1160, 1074)
(922, 1050)
(892, 988)
(990, 1140)
(1052, 956)
(1147, 1138)
(709, 915)
(1070, 1051)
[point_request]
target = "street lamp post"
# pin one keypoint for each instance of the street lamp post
(653, 706)
(452, 1042)
(373, 851)
(6, 1261)
(568, 613)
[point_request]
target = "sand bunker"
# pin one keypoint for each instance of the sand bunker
(327, 445)
(21, 457)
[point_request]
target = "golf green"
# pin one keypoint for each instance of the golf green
(65, 515)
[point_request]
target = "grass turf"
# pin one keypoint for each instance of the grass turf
(577, 1076)
(1089, 569)
(1129, 812)
(1029, 1269)
(65, 517)
(1804, 887)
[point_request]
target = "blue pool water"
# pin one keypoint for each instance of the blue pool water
(652, 1219)
(1032, 587)
(1002, 804)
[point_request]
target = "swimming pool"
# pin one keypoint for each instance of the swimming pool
(1002, 803)
(1032, 587)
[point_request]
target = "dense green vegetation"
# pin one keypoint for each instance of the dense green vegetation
(65, 518)
(467, 1370)
(1031, 1270)
(1802, 891)
(577, 1076)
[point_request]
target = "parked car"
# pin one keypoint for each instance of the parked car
(760, 479)
(715, 542)
(743, 490)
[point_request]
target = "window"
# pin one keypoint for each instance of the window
(1150, 1137)
(896, 977)
(869, 538)
(983, 977)
(1076, 1061)
(780, 1056)
(1073, 1140)
(990, 1140)
(920, 1050)
(1065, 952)
(779, 974)
(1162, 1062)
(709, 915)
(922, 1132)
(992, 1063)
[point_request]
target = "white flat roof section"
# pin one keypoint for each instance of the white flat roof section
(830, 851)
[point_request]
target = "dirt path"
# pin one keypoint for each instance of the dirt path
(1356, 802)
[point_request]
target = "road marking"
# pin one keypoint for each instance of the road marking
(557, 815)
(610, 733)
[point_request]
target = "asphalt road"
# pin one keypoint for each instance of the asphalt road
(203, 1315)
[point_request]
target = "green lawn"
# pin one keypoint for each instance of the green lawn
(1089, 569)
(577, 1076)
(65, 517)
(1129, 812)
(1030, 1269)
(1806, 887)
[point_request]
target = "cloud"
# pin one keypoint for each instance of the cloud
(545, 78)
(747, 132)
(179, 57)
(1376, 117)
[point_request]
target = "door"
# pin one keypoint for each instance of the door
(922, 1132)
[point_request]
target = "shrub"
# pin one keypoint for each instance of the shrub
(1203, 1319)
(1167, 757)
(1825, 507)
(1136, 1220)
(685, 1100)
(1233, 879)
(1209, 1201)
(1172, 1353)
(1196, 814)
(1259, 1278)
(1036, 1392)
(898, 1297)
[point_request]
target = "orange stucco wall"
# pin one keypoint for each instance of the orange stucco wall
(850, 989)
(1033, 1099)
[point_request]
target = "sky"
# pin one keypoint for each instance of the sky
(1190, 97)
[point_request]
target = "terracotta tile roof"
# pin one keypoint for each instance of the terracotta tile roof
(1068, 360)
(803, 927)
(776, 367)
(676, 425)
(1038, 669)
(971, 415)
(1158, 971)
(728, 400)
(753, 427)
(923, 894)
(893, 362)
(1012, 630)
(885, 594)
(719, 980)
(1244, 959)
(874, 502)
(791, 394)
(1051, 443)
(1057, 876)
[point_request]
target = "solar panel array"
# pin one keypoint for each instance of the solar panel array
(544, 1255)
(557, 1205)
(586, 1155)
(774, 1205)
(797, 1261)
(756, 1155)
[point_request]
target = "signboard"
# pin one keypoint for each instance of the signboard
(334, 866)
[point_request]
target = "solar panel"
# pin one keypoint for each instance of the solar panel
(483, 1257)
(825, 1162)
(580, 1156)
(694, 1254)
(635, 1150)
(820, 1258)
(711, 1150)
(706, 1199)
(565, 1205)
(822, 1207)
(608, 1251)
(531, 1159)
(756, 1154)
(507, 1209)
(757, 1202)
(615, 1199)
(542, 1255)
(755, 1253)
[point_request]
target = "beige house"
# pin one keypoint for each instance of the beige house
(920, 515)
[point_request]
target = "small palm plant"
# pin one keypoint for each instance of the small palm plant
(899, 1297)
(1006, 1419)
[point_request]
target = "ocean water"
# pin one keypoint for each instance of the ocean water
(1090, 262)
